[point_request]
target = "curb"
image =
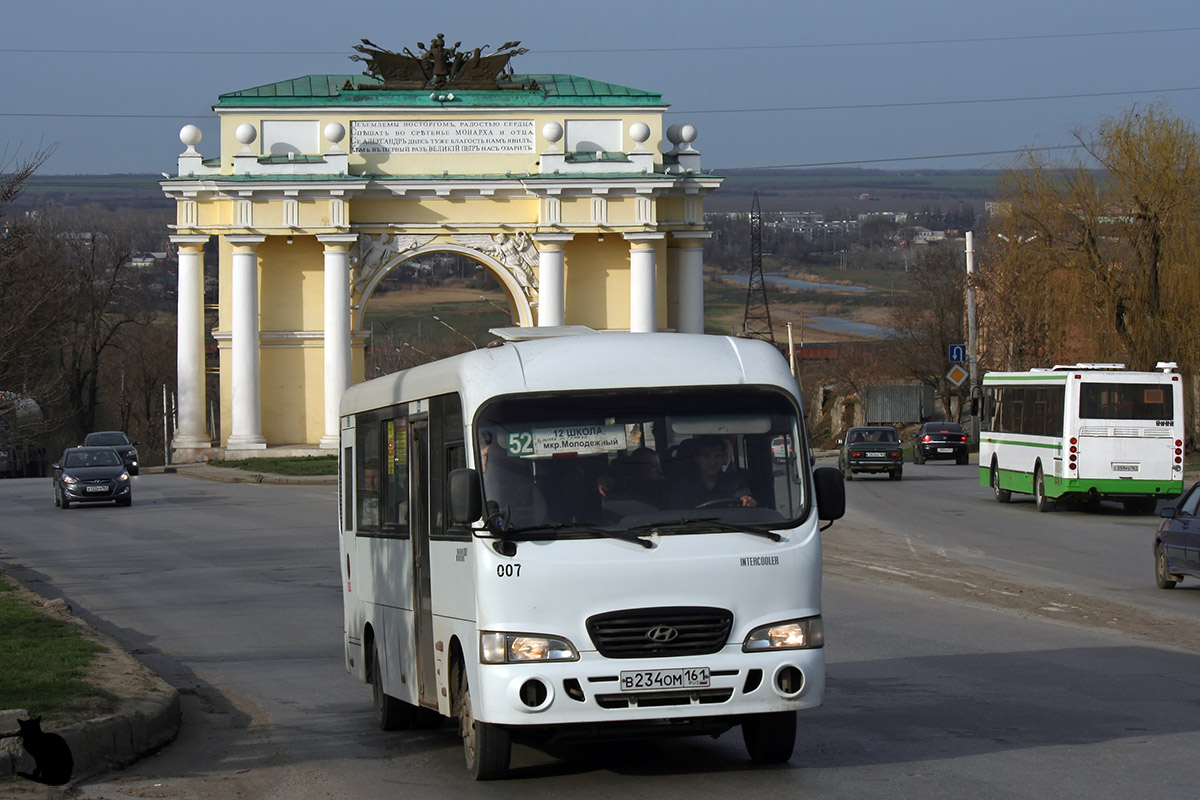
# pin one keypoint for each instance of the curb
(229, 475)
(106, 743)
(141, 724)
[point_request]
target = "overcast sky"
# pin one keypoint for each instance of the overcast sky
(767, 83)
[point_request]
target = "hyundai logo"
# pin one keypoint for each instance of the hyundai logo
(662, 634)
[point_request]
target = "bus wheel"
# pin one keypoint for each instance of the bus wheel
(770, 738)
(1162, 578)
(391, 714)
(1039, 492)
(1002, 495)
(487, 747)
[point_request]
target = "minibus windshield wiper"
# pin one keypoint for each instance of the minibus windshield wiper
(687, 522)
(560, 527)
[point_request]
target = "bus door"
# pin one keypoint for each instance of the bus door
(352, 619)
(418, 432)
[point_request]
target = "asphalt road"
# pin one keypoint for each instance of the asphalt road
(231, 593)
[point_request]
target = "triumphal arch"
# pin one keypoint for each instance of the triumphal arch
(570, 191)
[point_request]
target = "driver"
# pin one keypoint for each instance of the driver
(709, 482)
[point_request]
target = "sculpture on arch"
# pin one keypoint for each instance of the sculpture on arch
(516, 252)
(371, 254)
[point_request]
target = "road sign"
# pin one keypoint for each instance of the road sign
(958, 353)
(957, 375)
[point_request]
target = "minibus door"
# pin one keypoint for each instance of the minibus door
(422, 607)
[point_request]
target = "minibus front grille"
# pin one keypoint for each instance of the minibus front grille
(696, 697)
(650, 632)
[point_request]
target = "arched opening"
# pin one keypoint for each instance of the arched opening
(432, 303)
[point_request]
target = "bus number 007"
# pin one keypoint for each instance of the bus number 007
(508, 570)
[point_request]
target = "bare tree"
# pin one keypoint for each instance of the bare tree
(1096, 261)
(932, 320)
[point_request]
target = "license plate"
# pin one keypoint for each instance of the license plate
(945, 449)
(95, 488)
(876, 455)
(1124, 467)
(649, 680)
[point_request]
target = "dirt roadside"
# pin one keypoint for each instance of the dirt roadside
(893, 561)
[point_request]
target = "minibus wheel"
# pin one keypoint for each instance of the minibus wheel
(770, 738)
(391, 714)
(487, 747)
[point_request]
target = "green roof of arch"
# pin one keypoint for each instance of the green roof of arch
(326, 91)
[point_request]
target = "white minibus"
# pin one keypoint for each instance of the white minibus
(579, 533)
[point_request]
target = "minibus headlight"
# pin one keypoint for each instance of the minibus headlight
(797, 634)
(508, 648)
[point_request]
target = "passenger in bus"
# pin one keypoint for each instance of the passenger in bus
(706, 482)
(633, 477)
(508, 486)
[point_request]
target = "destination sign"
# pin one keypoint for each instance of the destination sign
(574, 440)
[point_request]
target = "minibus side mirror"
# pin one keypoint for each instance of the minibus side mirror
(831, 493)
(466, 497)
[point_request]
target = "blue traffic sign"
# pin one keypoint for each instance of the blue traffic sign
(958, 353)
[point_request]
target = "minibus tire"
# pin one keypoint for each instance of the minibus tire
(770, 738)
(487, 747)
(391, 714)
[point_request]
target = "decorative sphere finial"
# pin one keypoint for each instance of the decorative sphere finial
(190, 135)
(335, 132)
(246, 133)
(673, 134)
(687, 133)
(639, 132)
(552, 132)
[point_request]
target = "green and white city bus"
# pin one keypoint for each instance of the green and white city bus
(1083, 432)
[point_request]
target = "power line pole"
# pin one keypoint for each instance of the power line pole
(757, 322)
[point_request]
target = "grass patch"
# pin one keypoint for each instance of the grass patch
(303, 465)
(43, 660)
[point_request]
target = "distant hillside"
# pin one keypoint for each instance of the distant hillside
(821, 189)
(778, 190)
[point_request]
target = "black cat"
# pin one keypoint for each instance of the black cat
(50, 752)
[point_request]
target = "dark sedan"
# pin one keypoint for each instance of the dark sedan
(1177, 541)
(117, 441)
(91, 475)
(940, 440)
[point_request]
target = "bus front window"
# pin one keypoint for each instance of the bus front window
(622, 460)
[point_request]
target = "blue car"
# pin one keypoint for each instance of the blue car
(1177, 542)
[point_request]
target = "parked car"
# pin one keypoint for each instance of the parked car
(90, 475)
(938, 440)
(1177, 541)
(871, 449)
(119, 442)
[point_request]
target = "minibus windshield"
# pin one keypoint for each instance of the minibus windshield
(567, 464)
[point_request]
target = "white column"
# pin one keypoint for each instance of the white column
(552, 284)
(643, 281)
(688, 280)
(337, 331)
(247, 394)
(189, 348)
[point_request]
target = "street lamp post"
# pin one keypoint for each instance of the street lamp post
(436, 318)
(972, 343)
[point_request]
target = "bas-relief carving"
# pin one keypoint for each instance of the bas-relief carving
(441, 65)
(516, 252)
(370, 254)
